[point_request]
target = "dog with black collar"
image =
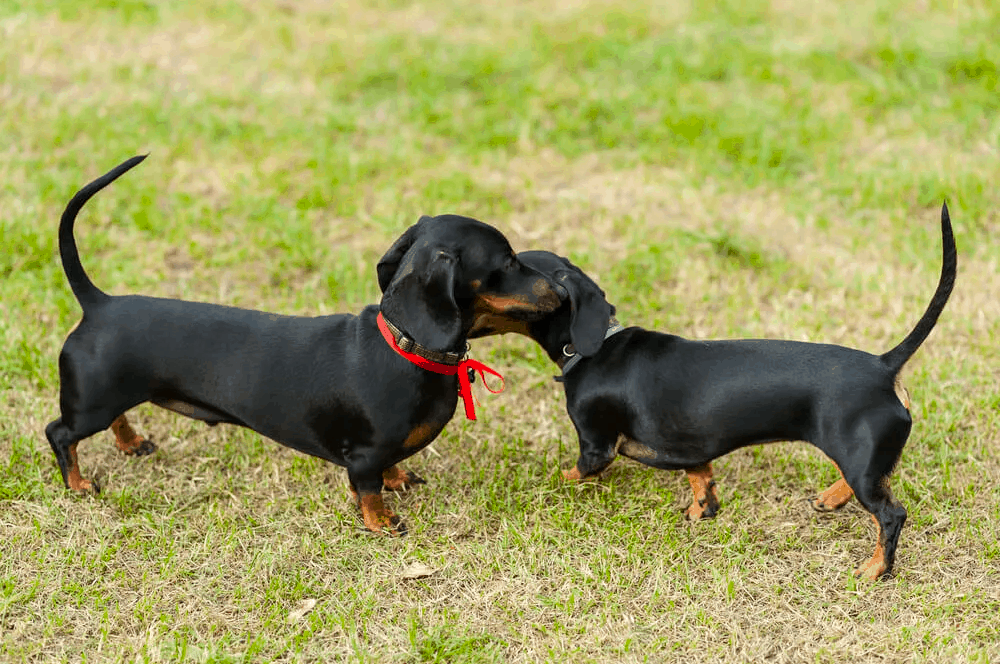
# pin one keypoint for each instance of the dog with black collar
(674, 403)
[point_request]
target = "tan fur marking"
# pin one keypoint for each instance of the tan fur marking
(75, 480)
(376, 516)
(125, 437)
(834, 497)
(572, 474)
(902, 394)
(540, 287)
(634, 449)
(421, 435)
(501, 304)
(706, 502)
(875, 566)
(396, 478)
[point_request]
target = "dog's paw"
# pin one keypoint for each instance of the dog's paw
(873, 570)
(85, 487)
(144, 447)
(398, 479)
(571, 474)
(378, 518)
(833, 498)
(388, 524)
(698, 511)
(138, 447)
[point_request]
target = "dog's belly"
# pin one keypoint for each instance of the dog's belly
(195, 411)
(694, 434)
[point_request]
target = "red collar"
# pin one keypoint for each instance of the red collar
(465, 369)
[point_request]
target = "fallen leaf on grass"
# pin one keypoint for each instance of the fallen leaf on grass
(305, 606)
(416, 570)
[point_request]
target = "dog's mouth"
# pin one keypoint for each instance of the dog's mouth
(522, 308)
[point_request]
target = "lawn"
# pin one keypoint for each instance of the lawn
(723, 169)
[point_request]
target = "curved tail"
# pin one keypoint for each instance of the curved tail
(84, 289)
(897, 357)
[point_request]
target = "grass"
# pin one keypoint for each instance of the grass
(723, 169)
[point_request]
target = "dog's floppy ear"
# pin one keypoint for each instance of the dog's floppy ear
(420, 298)
(591, 312)
(389, 264)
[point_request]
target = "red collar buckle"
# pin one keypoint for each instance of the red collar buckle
(462, 369)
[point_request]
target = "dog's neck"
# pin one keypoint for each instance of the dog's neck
(410, 345)
(570, 357)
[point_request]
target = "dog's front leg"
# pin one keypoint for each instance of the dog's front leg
(366, 486)
(706, 501)
(596, 454)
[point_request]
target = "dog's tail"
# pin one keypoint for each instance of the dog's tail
(84, 289)
(897, 357)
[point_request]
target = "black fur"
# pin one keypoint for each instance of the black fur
(674, 403)
(328, 386)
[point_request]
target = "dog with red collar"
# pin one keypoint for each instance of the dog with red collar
(339, 387)
(674, 403)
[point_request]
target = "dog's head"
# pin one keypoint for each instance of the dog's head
(445, 273)
(582, 318)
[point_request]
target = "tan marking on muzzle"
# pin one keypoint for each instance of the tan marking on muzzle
(498, 304)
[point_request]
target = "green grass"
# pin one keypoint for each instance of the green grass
(723, 169)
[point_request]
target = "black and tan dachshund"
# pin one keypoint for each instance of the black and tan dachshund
(674, 403)
(330, 386)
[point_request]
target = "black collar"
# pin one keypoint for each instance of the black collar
(568, 351)
(408, 345)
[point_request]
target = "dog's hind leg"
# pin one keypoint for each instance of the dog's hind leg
(128, 441)
(868, 475)
(398, 479)
(834, 497)
(889, 516)
(88, 402)
(64, 446)
(366, 486)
